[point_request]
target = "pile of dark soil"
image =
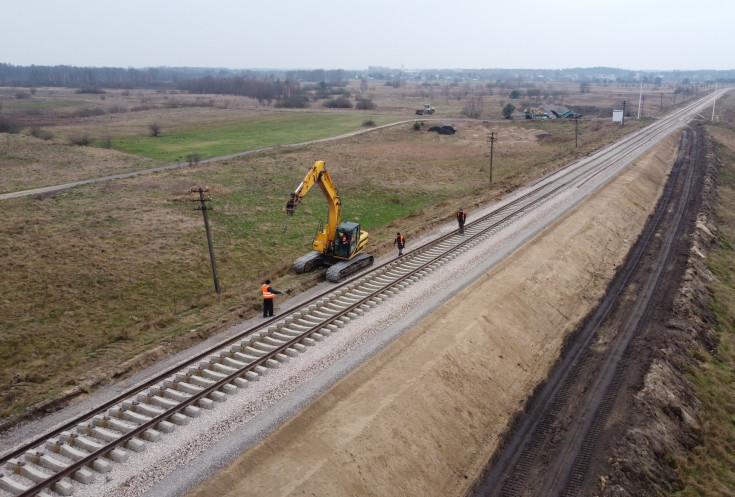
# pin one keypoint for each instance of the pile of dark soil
(443, 130)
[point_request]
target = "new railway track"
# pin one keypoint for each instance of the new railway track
(88, 445)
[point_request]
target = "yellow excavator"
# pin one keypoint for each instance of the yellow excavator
(340, 245)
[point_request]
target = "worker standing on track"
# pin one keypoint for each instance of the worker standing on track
(268, 294)
(401, 242)
(461, 216)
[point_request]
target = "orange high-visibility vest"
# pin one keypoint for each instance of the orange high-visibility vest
(461, 215)
(267, 294)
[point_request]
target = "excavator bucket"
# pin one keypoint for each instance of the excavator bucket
(292, 204)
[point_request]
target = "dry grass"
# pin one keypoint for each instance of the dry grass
(101, 277)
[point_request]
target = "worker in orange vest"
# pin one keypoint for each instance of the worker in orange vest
(461, 216)
(268, 294)
(401, 242)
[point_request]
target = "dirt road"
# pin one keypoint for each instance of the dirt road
(560, 433)
(425, 415)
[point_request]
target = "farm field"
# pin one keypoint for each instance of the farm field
(105, 277)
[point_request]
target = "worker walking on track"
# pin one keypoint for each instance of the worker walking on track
(401, 242)
(268, 294)
(461, 216)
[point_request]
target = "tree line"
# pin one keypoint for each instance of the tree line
(170, 77)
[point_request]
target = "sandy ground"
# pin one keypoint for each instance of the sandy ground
(424, 416)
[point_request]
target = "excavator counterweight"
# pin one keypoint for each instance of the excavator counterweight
(340, 245)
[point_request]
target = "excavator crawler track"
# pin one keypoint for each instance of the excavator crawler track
(341, 270)
(308, 262)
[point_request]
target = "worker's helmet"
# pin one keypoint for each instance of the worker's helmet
(267, 282)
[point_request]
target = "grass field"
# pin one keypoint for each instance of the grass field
(104, 276)
(254, 132)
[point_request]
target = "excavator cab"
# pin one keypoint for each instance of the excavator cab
(345, 241)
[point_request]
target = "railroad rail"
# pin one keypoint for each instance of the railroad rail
(112, 432)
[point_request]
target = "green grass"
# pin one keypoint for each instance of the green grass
(710, 469)
(264, 131)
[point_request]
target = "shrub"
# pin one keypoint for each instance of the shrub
(140, 108)
(43, 134)
(508, 111)
(81, 141)
(193, 159)
(368, 124)
(155, 129)
(417, 125)
(89, 112)
(10, 125)
(90, 89)
(22, 94)
(365, 104)
(341, 102)
(293, 102)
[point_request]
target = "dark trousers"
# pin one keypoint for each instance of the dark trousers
(267, 307)
(461, 227)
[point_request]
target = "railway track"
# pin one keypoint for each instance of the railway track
(88, 445)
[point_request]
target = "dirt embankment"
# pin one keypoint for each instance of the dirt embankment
(425, 415)
(659, 422)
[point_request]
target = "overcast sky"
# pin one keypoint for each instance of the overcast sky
(347, 34)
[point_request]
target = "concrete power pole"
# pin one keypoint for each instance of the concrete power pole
(622, 121)
(492, 142)
(204, 210)
(714, 99)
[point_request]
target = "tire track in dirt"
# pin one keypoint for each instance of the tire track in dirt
(552, 445)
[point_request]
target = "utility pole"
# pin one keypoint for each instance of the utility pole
(622, 121)
(204, 210)
(714, 99)
(576, 122)
(640, 101)
(492, 142)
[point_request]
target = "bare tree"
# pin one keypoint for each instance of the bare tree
(473, 107)
(155, 129)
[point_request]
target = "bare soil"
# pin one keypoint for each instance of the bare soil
(655, 422)
(426, 415)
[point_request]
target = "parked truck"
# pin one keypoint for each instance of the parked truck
(427, 110)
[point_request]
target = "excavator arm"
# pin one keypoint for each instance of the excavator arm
(319, 175)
